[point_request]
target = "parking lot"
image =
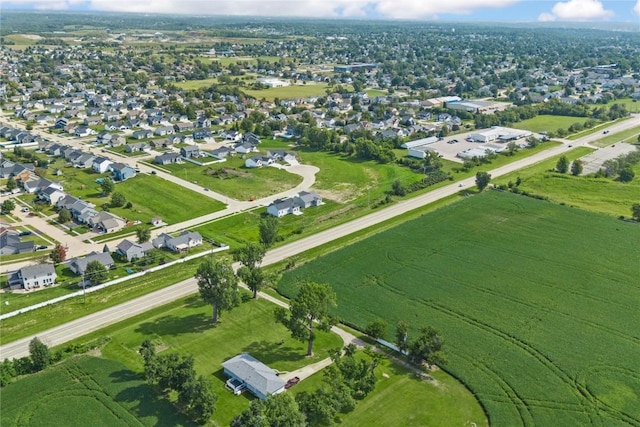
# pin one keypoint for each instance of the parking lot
(594, 161)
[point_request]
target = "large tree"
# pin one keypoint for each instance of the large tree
(11, 184)
(250, 256)
(562, 165)
(58, 254)
(64, 216)
(576, 167)
(96, 272)
(268, 230)
(40, 354)
(276, 410)
(309, 311)
(635, 211)
(7, 206)
(143, 234)
(426, 346)
(107, 185)
(218, 285)
(117, 200)
(402, 329)
(482, 180)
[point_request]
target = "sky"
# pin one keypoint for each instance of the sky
(445, 10)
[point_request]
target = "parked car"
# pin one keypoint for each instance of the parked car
(293, 381)
(25, 233)
(153, 172)
(41, 247)
(25, 209)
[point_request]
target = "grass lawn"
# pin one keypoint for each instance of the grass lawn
(287, 92)
(596, 194)
(402, 399)
(196, 84)
(521, 291)
(234, 180)
(628, 135)
(86, 391)
(47, 317)
(185, 327)
(548, 123)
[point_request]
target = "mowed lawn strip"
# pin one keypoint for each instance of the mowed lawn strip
(548, 123)
(86, 391)
(522, 293)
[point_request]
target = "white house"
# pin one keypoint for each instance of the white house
(33, 276)
(245, 371)
(282, 207)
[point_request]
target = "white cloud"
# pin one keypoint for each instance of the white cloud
(636, 8)
(577, 10)
(398, 9)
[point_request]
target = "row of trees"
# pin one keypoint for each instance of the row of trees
(174, 373)
(40, 357)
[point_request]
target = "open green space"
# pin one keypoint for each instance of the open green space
(196, 84)
(86, 391)
(522, 292)
(150, 195)
(288, 92)
(232, 179)
(185, 327)
(548, 123)
(602, 195)
(401, 398)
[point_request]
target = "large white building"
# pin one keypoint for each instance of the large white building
(499, 134)
(272, 82)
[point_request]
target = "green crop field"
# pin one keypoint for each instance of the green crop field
(548, 123)
(539, 316)
(86, 391)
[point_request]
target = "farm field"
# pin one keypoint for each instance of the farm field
(231, 178)
(601, 195)
(548, 123)
(521, 291)
(86, 391)
(185, 327)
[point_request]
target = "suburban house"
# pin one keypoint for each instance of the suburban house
(190, 151)
(79, 265)
(244, 148)
(131, 250)
(259, 161)
(122, 172)
(245, 371)
(231, 135)
(286, 156)
(251, 138)
(106, 222)
(203, 134)
(135, 147)
(51, 195)
(33, 276)
(167, 158)
(183, 127)
(282, 207)
(10, 243)
(142, 134)
(306, 199)
(101, 164)
(221, 153)
(185, 241)
(164, 130)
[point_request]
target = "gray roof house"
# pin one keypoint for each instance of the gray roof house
(33, 276)
(190, 151)
(245, 371)
(306, 199)
(167, 158)
(122, 172)
(79, 265)
(185, 241)
(10, 243)
(282, 207)
(132, 250)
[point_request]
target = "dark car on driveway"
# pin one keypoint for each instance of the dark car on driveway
(293, 381)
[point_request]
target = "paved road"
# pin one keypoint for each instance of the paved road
(79, 327)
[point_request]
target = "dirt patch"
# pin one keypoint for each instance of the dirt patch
(31, 36)
(225, 173)
(343, 193)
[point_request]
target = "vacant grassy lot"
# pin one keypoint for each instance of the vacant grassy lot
(234, 180)
(402, 399)
(547, 123)
(196, 84)
(629, 135)
(185, 327)
(596, 194)
(86, 391)
(522, 292)
(293, 91)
